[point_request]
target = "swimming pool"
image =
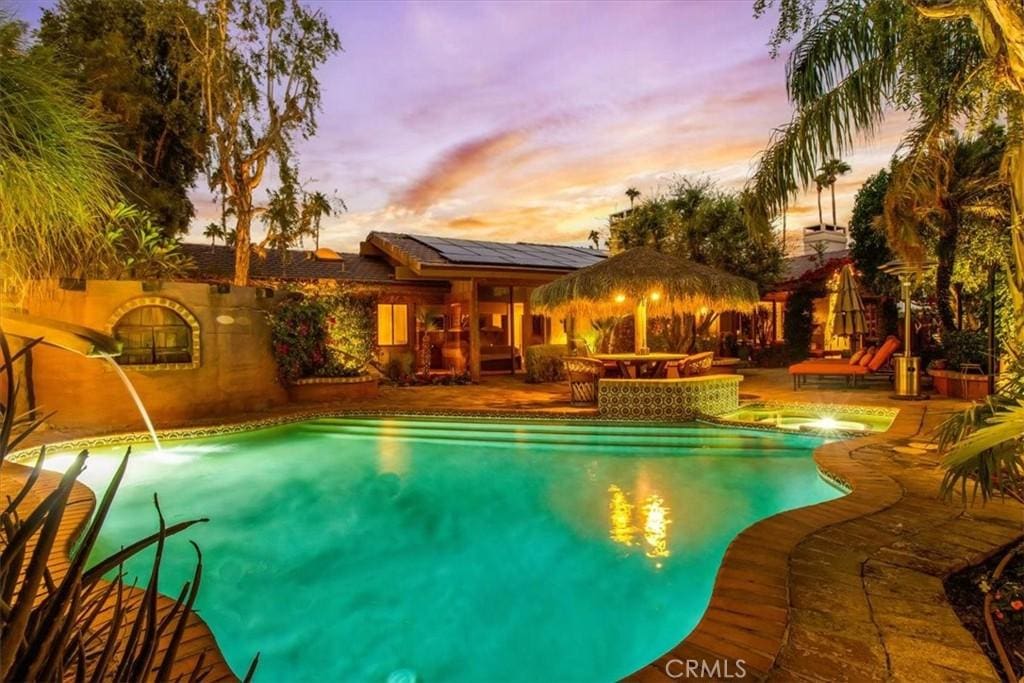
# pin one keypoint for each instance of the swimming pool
(356, 549)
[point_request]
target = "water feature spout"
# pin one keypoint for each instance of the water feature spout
(75, 338)
(135, 397)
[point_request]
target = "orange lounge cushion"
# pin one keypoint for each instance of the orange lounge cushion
(869, 353)
(891, 346)
(855, 358)
(819, 368)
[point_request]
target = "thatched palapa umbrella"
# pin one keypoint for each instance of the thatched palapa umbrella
(644, 281)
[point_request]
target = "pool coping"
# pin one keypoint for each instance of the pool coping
(234, 427)
(747, 618)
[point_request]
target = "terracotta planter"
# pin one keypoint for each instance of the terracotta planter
(971, 387)
(331, 389)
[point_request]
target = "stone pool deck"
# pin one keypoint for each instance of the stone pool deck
(846, 590)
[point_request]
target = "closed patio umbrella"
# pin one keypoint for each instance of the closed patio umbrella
(644, 281)
(849, 319)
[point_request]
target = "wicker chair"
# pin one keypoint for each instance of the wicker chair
(697, 364)
(583, 374)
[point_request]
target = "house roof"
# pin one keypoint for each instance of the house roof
(219, 262)
(429, 250)
(808, 265)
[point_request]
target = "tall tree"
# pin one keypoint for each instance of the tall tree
(57, 177)
(869, 245)
(699, 221)
(632, 193)
(316, 205)
(128, 58)
(953, 186)
(830, 172)
(284, 216)
(256, 63)
(214, 231)
(820, 181)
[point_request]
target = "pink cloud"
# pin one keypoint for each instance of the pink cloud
(458, 167)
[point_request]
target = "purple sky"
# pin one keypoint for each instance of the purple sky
(527, 121)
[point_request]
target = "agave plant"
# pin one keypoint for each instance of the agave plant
(78, 626)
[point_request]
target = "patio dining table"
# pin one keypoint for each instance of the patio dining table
(641, 365)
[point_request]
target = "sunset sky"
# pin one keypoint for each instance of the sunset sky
(528, 121)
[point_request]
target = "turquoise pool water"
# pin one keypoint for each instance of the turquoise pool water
(351, 549)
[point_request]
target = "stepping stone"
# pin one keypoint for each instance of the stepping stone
(924, 445)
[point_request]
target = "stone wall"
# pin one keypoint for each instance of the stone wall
(232, 369)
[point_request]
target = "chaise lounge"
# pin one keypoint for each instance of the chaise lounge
(866, 363)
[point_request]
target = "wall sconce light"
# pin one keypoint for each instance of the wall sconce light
(220, 288)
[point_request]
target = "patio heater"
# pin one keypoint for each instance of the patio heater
(907, 376)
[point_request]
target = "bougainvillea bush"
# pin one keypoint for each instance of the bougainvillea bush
(322, 336)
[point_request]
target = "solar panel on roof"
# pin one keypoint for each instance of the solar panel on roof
(502, 253)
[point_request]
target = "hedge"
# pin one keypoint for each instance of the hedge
(544, 363)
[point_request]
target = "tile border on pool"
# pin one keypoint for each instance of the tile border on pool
(174, 434)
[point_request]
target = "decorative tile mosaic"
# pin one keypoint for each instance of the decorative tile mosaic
(669, 399)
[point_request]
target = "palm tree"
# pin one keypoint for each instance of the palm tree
(632, 193)
(214, 231)
(831, 170)
(820, 181)
(595, 237)
(954, 184)
(315, 206)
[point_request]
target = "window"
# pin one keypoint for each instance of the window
(392, 324)
(153, 335)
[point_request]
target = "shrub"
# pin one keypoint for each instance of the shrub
(399, 368)
(798, 324)
(964, 346)
(322, 336)
(544, 363)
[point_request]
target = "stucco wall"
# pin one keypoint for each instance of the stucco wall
(235, 373)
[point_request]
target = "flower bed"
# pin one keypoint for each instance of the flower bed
(967, 591)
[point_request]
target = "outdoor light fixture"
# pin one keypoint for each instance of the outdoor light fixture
(619, 298)
(655, 296)
(907, 373)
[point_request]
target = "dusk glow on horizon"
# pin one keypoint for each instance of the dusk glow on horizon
(528, 121)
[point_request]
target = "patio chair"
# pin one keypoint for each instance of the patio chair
(870, 364)
(697, 364)
(583, 375)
